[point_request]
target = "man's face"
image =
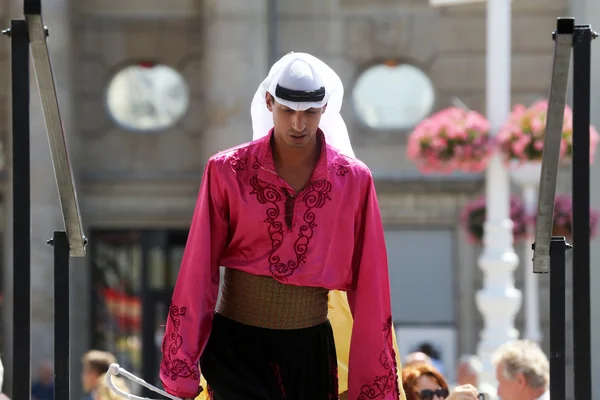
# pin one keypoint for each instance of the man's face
(89, 379)
(46, 373)
(510, 389)
(295, 128)
(464, 375)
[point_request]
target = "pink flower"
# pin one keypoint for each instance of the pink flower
(563, 214)
(521, 137)
(452, 139)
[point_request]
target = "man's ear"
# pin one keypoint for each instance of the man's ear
(521, 381)
(324, 109)
(270, 101)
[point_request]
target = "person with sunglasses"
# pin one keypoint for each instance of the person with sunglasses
(424, 382)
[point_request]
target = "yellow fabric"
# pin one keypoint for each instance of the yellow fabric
(341, 322)
(204, 394)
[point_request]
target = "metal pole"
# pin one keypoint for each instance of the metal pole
(62, 310)
(21, 211)
(558, 249)
(581, 212)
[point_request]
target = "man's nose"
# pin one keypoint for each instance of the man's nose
(298, 122)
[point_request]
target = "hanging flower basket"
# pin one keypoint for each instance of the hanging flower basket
(474, 214)
(451, 140)
(563, 215)
(522, 136)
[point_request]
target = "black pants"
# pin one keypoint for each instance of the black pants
(243, 362)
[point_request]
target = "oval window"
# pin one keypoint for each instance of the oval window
(147, 97)
(393, 96)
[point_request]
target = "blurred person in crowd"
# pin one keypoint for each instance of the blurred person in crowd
(522, 371)
(2, 395)
(468, 369)
(416, 358)
(424, 382)
(104, 392)
(43, 388)
(95, 365)
(434, 355)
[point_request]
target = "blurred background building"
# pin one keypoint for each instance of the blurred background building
(149, 89)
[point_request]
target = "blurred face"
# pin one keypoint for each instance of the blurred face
(510, 389)
(46, 373)
(296, 129)
(89, 378)
(464, 375)
(428, 388)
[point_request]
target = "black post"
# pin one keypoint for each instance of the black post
(32, 7)
(62, 347)
(581, 212)
(21, 211)
(558, 266)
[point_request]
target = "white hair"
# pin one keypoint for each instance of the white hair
(416, 357)
(472, 362)
(527, 358)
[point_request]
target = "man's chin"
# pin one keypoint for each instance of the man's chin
(298, 142)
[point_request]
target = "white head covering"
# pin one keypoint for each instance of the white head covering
(311, 81)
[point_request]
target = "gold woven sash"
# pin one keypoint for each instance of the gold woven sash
(263, 302)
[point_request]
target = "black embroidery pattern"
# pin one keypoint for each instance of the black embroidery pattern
(340, 170)
(176, 367)
(277, 372)
(267, 194)
(314, 196)
(387, 327)
(290, 203)
(238, 164)
(334, 395)
(383, 384)
(256, 163)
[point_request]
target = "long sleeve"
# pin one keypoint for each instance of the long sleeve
(373, 369)
(341, 321)
(189, 322)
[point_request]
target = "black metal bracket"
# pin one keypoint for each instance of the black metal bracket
(21, 362)
(558, 268)
(32, 7)
(62, 343)
(582, 352)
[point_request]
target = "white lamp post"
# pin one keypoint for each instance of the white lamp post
(527, 176)
(498, 300)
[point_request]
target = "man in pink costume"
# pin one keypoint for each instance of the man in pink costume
(291, 216)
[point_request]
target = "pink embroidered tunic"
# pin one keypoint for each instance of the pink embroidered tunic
(329, 235)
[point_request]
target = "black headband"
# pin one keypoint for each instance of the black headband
(301, 96)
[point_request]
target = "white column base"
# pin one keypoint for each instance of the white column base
(498, 300)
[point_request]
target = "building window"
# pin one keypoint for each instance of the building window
(393, 96)
(422, 278)
(423, 297)
(147, 97)
(133, 275)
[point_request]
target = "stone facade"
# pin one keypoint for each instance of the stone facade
(128, 180)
